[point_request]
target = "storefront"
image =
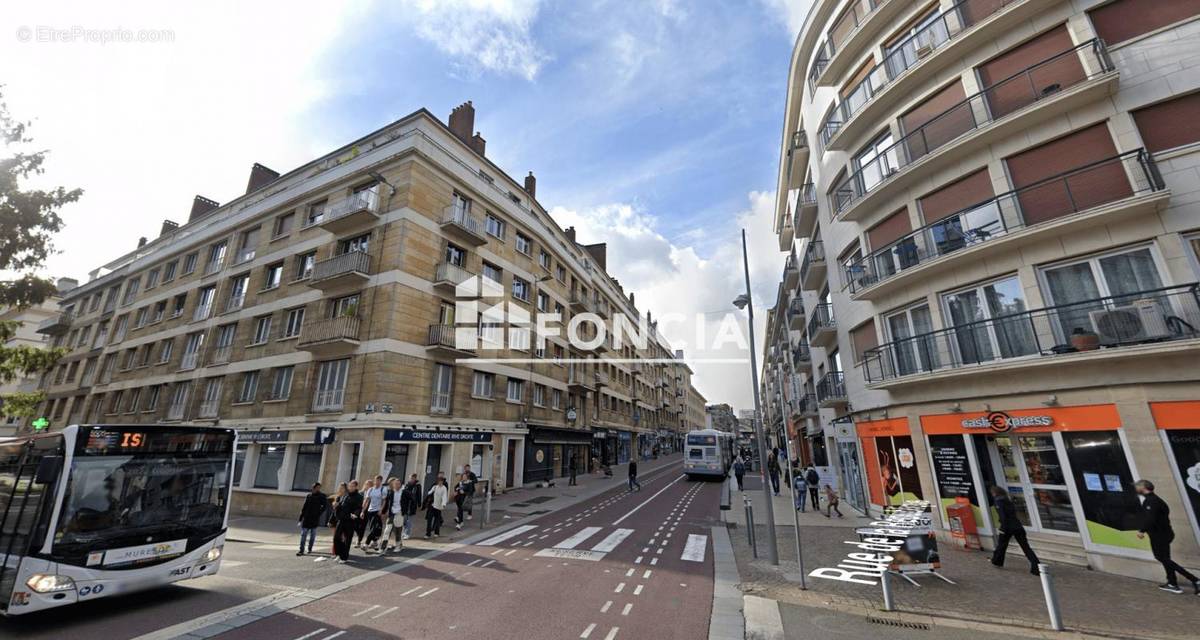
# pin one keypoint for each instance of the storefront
(1178, 425)
(557, 447)
(624, 446)
(427, 452)
(1067, 469)
(604, 446)
(849, 483)
(890, 462)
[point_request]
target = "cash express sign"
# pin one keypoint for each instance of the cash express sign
(1001, 422)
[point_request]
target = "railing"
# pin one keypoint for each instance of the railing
(461, 217)
(221, 355)
(329, 400)
(789, 263)
(1037, 82)
(1155, 315)
(189, 361)
(601, 378)
(795, 308)
(806, 404)
(822, 319)
(820, 63)
(832, 387)
(801, 353)
(329, 329)
(803, 196)
(850, 22)
(61, 319)
(584, 301)
(365, 200)
(907, 54)
(1110, 180)
(813, 254)
(349, 262)
(447, 272)
(442, 335)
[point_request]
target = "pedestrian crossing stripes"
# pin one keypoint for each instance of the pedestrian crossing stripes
(507, 535)
(694, 549)
(615, 538)
(578, 538)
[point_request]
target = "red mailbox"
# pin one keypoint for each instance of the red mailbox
(961, 516)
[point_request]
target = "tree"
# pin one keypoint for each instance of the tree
(28, 220)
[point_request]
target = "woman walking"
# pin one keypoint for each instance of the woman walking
(435, 501)
(460, 499)
(360, 523)
(348, 513)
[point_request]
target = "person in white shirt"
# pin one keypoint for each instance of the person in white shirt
(393, 530)
(436, 501)
(373, 504)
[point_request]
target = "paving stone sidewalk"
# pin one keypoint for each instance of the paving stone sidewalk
(1092, 602)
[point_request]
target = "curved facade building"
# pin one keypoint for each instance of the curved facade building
(993, 232)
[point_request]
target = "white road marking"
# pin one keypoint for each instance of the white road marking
(588, 631)
(333, 635)
(487, 564)
(615, 538)
(311, 634)
(646, 576)
(659, 550)
(571, 554)
(575, 540)
(507, 535)
(475, 561)
(367, 610)
(606, 607)
(384, 612)
(637, 560)
(527, 544)
(625, 611)
(647, 501)
(645, 549)
(238, 563)
(509, 552)
(611, 634)
(410, 591)
(428, 592)
(653, 561)
(694, 549)
(664, 542)
(620, 588)
(499, 551)
(629, 574)
(637, 591)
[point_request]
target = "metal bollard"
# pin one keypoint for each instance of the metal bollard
(889, 602)
(1051, 598)
(750, 528)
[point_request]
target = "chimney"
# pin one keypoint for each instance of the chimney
(141, 242)
(260, 177)
(531, 185)
(66, 284)
(167, 227)
(571, 235)
(599, 253)
(462, 121)
(201, 207)
(477, 143)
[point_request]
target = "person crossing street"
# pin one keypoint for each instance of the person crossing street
(633, 471)
(315, 504)
(348, 512)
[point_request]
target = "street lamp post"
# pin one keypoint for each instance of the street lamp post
(746, 301)
(792, 455)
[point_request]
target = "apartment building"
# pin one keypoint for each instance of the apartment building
(340, 316)
(992, 232)
(29, 320)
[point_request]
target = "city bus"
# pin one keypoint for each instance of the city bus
(98, 510)
(708, 453)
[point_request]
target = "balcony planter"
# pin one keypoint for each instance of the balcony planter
(1084, 339)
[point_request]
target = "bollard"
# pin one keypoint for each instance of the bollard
(750, 528)
(1051, 598)
(487, 508)
(889, 604)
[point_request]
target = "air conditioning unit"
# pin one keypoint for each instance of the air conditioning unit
(1139, 322)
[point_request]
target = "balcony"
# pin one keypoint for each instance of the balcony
(458, 222)
(785, 232)
(57, 324)
(1059, 84)
(801, 356)
(918, 58)
(601, 379)
(578, 379)
(802, 206)
(329, 400)
(791, 272)
(348, 271)
(822, 326)
(797, 159)
(805, 406)
(580, 303)
(358, 211)
(450, 276)
(1137, 324)
(812, 268)
(444, 341)
(850, 35)
(831, 390)
(1121, 187)
(795, 314)
(331, 336)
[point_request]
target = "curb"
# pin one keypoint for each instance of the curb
(763, 620)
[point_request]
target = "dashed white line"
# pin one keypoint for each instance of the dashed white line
(428, 592)
(333, 635)
(588, 631)
(410, 591)
(474, 562)
(606, 607)
(627, 608)
(620, 588)
(311, 634)
(509, 552)
(646, 576)
(629, 574)
(612, 633)
(653, 561)
(367, 610)
(637, 591)
(487, 564)
(637, 560)
(384, 612)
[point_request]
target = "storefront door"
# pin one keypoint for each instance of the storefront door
(433, 464)
(1029, 467)
(852, 490)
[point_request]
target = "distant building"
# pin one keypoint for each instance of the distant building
(721, 418)
(27, 334)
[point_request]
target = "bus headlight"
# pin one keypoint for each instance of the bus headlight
(42, 583)
(213, 554)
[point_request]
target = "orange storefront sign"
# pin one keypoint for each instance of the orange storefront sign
(876, 428)
(1182, 414)
(1043, 420)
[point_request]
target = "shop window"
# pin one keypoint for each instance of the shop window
(1104, 483)
(897, 479)
(1127, 19)
(239, 463)
(308, 466)
(952, 472)
(270, 461)
(396, 455)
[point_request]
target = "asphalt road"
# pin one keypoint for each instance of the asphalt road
(619, 565)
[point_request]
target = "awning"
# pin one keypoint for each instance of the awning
(546, 435)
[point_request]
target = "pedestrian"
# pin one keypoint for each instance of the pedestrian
(360, 523)
(800, 490)
(460, 496)
(348, 512)
(1010, 529)
(633, 481)
(315, 505)
(831, 502)
(739, 471)
(773, 470)
(813, 479)
(435, 502)
(393, 528)
(469, 482)
(1156, 523)
(410, 501)
(373, 513)
(572, 469)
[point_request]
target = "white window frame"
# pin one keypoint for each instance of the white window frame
(483, 385)
(518, 386)
(441, 389)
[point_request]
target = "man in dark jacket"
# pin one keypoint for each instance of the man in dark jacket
(348, 510)
(1156, 523)
(773, 469)
(633, 481)
(814, 480)
(1010, 528)
(310, 517)
(410, 501)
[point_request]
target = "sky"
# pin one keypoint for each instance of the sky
(652, 125)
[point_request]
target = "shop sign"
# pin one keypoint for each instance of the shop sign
(418, 435)
(1001, 422)
(324, 435)
(571, 414)
(262, 436)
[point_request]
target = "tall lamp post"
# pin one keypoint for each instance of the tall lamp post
(793, 456)
(746, 301)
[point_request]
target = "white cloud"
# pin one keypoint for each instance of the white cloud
(493, 34)
(790, 13)
(671, 278)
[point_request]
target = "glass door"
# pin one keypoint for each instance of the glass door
(1028, 466)
(988, 322)
(909, 332)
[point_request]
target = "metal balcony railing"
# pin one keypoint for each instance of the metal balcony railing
(330, 329)
(804, 195)
(822, 319)
(329, 400)
(1101, 183)
(57, 323)
(832, 387)
(447, 272)
(365, 200)
(907, 54)
(1141, 317)
(1022, 89)
(349, 262)
(461, 217)
(813, 254)
(582, 300)
(442, 335)
(800, 354)
(849, 22)
(796, 306)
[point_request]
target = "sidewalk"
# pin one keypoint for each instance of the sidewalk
(506, 508)
(984, 598)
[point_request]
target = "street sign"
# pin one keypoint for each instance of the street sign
(40, 423)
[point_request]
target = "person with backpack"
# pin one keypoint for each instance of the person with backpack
(348, 512)
(800, 489)
(435, 502)
(373, 513)
(739, 471)
(410, 502)
(315, 505)
(813, 479)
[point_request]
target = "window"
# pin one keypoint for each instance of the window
(556, 399)
(273, 276)
(455, 255)
(483, 384)
(316, 213)
(544, 259)
(152, 279)
(1127, 19)
(180, 304)
(239, 463)
(281, 383)
(493, 273)
(560, 273)
(462, 206)
(443, 386)
(249, 389)
(131, 402)
(395, 460)
(169, 272)
(1170, 124)
(520, 289)
(262, 330)
(351, 245)
(210, 403)
(189, 263)
(131, 290)
(283, 225)
(539, 395)
(160, 310)
(495, 226)
(119, 332)
(543, 302)
(270, 463)
(976, 337)
(144, 355)
(331, 385)
(524, 244)
(912, 349)
(516, 391)
(1124, 276)
(237, 292)
(191, 350)
(152, 397)
(292, 322)
(216, 257)
(95, 302)
(179, 399)
(308, 466)
(225, 335)
(114, 404)
(304, 265)
(344, 306)
(205, 303)
(873, 164)
(247, 245)
(164, 351)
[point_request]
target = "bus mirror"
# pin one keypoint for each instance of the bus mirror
(48, 469)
